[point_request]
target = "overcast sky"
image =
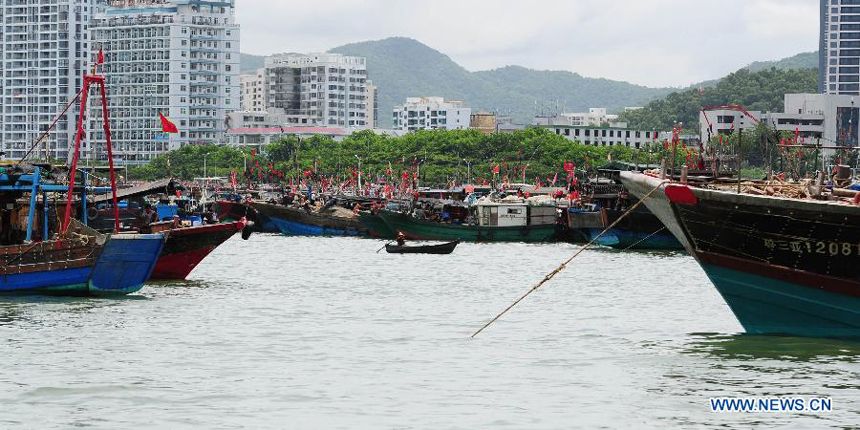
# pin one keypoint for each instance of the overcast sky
(647, 42)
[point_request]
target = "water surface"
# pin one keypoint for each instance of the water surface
(280, 332)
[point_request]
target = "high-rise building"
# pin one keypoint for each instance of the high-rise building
(372, 105)
(44, 49)
(253, 89)
(431, 113)
(320, 89)
(179, 58)
(839, 47)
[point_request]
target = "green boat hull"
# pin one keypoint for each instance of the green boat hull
(376, 226)
(428, 230)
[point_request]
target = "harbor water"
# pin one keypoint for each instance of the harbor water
(293, 332)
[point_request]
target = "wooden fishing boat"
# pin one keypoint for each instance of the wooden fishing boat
(376, 226)
(186, 247)
(73, 258)
(606, 201)
(293, 221)
(640, 229)
(783, 265)
(442, 249)
(504, 220)
(234, 210)
(80, 261)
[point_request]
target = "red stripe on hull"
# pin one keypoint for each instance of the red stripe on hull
(799, 277)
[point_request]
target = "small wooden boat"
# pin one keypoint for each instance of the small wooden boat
(445, 248)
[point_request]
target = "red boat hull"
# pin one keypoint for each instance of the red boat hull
(187, 247)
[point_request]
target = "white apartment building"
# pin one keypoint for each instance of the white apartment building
(832, 118)
(372, 105)
(605, 136)
(431, 113)
(176, 57)
(322, 89)
(253, 89)
(593, 118)
(44, 50)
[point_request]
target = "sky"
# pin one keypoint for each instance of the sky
(648, 42)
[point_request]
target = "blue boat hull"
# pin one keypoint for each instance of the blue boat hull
(764, 305)
(294, 221)
(625, 239)
(293, 228)
(126, 263)
(122, 267)
(64, 280)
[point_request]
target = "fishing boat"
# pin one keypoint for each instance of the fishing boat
(375, 225)
(442, 249)
(80, 261)
(191, 233)
(187, 247)
(605, 201)
(39, 255)
(305, 221)
(638, 230)
(784, 265)
(490, 220)
(234, 209)
(74, 259)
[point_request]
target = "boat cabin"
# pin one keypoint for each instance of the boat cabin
(516, 213)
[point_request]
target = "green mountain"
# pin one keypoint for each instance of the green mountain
(763, 90)
(806, 60)
(403, 67)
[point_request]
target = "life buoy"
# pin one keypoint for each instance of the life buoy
(92, 213)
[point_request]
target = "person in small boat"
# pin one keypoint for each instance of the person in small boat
(149, 215)
(401, 238)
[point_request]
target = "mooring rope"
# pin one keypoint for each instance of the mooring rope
(563, 266)
(643, 240)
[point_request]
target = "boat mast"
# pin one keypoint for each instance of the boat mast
(100, 81)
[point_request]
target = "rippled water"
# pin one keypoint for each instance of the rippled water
(281, 332)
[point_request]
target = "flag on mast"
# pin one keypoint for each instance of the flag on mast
(167, 126)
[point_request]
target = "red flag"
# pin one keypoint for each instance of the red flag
(496, 169)
(166, 125)
(101, 57)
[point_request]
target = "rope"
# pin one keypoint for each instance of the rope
(563, 266)
(54, 124)
(643, 240)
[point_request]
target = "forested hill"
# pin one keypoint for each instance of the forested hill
(763, 90)
(403, 67)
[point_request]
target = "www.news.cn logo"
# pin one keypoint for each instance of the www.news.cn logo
(770, 404)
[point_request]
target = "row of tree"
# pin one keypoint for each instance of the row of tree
(441, 156)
